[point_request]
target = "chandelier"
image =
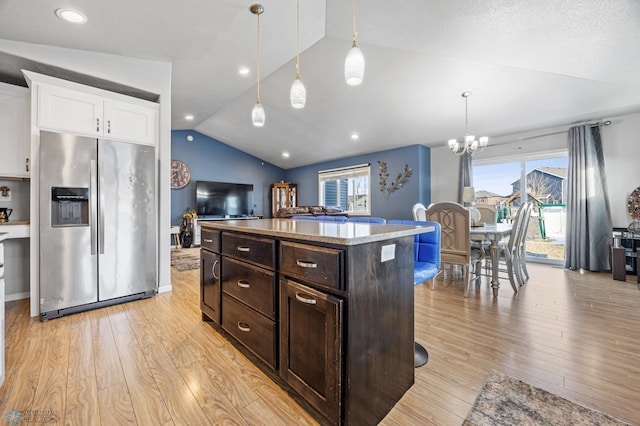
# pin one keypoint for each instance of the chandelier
(469, 143)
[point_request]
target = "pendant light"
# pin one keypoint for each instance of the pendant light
(354, 63)
(298, 92)
(257, 114)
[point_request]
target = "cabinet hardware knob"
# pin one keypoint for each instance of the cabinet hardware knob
(242, 326)
(245, 249)
(207, 240)
(97, 124)
(308, 300)
(244, 284)
(27, 164)
(109, 126)
(303, 264)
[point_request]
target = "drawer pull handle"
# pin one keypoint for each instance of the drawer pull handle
(302, 264)
(243, 284)
(213, 269)
(242, 326)
(245, 249)
(308, 300)
(208, 240)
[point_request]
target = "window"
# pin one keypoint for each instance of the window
(347, 188)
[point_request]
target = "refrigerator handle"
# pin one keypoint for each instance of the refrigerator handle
(93, 192)
(101, 210)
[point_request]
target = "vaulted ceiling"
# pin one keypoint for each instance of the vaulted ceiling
(529, 65)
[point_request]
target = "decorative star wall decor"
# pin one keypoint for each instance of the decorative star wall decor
(397, 183)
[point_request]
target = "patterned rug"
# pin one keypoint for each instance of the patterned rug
(504, 400)
(185, 259)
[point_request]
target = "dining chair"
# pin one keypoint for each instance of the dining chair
(419, 212)
(510, 250)
(366, 219)
(455, 242)
(521, 251)
(488, 214)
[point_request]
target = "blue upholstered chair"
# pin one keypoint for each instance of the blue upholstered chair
(303, 217)
(426, 251)
(366, 219)
(331, 218)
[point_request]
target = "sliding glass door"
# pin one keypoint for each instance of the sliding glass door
(502, 183)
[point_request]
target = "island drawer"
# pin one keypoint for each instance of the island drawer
(260, 251)
(322, 265)
(210, 240)
(251, 285)
(253, 330)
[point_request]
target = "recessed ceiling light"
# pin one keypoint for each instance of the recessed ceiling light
(355, 136)
(188, 117)
(70, 15)
(244, 70)
(285, 154)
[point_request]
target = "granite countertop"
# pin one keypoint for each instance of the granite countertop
(349, 233)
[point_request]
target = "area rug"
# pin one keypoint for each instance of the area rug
(185, 259)
(504, 400)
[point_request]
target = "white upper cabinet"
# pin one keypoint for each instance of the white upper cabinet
(69, 110)
(130, 122)
(79, 112)
(15, 143)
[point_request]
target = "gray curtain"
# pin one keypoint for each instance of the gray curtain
(466, 174)
(588, 235)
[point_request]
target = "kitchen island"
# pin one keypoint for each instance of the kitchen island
(326, 306)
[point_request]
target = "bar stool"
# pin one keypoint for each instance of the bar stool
(175, 234)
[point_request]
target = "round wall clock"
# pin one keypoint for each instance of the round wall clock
(633, 204)
(180, 174)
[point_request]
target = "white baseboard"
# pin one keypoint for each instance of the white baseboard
(16, 296)
(164, 289)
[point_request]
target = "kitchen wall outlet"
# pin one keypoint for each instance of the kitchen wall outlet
(388, 252)
(7, 197)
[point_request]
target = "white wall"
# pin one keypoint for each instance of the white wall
(152, 76)
(621, 152)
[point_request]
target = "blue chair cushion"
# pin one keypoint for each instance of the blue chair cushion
(426, 250)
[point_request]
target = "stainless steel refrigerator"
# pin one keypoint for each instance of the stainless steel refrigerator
(98, 215)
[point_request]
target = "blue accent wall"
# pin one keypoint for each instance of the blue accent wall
(209, 159)
(399, 203)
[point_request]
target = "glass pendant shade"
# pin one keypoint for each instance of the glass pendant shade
(298, 94)
(257, 115)
(354, 66)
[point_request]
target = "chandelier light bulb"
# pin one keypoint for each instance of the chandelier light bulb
(257, 115)
(298, 94)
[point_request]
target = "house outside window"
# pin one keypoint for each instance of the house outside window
(347, 188)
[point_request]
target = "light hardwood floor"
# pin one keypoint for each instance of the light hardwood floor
(154, 362)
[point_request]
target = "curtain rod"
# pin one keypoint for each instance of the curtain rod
(558, 132)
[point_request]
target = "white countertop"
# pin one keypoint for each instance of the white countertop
(349, 233)
(15, 229)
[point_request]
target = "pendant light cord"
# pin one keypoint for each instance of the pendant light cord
(258, 59)
(466, 118)
(355, 33)
(298, 46)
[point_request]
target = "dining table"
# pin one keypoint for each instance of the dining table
(493, 233)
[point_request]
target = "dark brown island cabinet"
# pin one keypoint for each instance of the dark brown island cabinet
(326, 307)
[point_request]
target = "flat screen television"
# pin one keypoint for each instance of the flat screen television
(222, 199)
